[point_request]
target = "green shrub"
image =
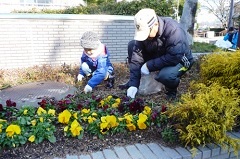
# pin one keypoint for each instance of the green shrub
(205, 115)
(163, 8)
(222, 68)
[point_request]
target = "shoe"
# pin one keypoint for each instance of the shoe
(110, 81)
(124, 86)
(171, 94)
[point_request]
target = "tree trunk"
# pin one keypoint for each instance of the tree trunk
(188, 18)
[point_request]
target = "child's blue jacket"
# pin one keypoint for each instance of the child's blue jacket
(100, 67)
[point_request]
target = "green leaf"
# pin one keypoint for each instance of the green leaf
(81, 135)
(52, 139)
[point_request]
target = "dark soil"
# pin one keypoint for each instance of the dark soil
(89, 143)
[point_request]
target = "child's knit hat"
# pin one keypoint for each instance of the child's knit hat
(90, 40)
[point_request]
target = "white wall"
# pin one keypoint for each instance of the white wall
(37, 39)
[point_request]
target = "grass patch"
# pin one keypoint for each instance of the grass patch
(198, 47)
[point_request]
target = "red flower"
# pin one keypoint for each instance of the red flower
(164, 108)
(1, 107)
(79, 106)
(9, 103)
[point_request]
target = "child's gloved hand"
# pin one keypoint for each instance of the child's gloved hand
(87, 89)
(132, 91)
(80, 77)
(144, 69)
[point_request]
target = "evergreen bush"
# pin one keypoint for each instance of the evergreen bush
(205, 115)
(221, 68)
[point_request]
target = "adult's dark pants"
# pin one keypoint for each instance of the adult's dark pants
(169, 76)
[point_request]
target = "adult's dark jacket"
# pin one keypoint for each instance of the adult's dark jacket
(166, 49)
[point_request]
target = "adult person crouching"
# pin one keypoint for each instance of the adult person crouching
(160, 44)
(232, 36)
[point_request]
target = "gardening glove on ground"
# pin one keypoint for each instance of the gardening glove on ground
(80, 77)
(132, 91)
(144, 69)
(87, 89)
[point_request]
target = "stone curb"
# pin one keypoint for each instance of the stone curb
(158, 151)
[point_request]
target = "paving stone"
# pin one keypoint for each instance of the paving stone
(109, 154)
(71, 157)
(134, 152)
(184, 152)
(122, 153)
(146, 152)
(171, 152)
(237, 134)
(85, 157)
(158, 151)
(222, 156)
(197, 155)
(214, 148)
(224, 148)
(231, 155)
(97, 155)
(206, 152)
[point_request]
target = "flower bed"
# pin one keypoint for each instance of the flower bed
(76, 114)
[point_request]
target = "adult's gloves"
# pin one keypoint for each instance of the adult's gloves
(80, 77)
(132, 91)
(87, 89)
(144, 69)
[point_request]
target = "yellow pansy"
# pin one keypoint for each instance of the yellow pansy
(75, 115)
(115, 105)
(121, 119)
(141, 125)
(94, 114)
(25, 111)
(65, 129)
(85, 111)
(131, 127)
(31, 138)
(103, 119)
(112, 120)
(75, 128)
(2, 120)
(141, 121)
(84, 118)
(41, 119)
(108, 98)
(13, 129)
(142, 117)
(51, 112)
(129, 118)
(33, 122)
(108, 122)
(147, 110)
(118, 100)
(104, 128)
(64, 117)
(91, 119)
(101, 103)
(41, 111)
(1, 128)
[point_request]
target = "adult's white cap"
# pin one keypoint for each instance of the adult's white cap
(144, 20)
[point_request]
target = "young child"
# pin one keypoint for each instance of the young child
(95, 62)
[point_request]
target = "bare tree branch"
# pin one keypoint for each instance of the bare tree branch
(219, 8)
